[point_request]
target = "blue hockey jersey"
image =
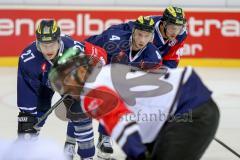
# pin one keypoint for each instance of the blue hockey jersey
(117, 44)
(34, 92)
(169, 50)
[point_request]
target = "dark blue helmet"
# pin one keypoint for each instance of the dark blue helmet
(144, 23)
(48, 31)
(174, 15)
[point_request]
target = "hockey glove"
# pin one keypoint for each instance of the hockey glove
(73, 109)
(97, 54)
(26, 122)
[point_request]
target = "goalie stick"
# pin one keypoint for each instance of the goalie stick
(44, 116)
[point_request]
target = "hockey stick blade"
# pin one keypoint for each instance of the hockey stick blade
(44, 116)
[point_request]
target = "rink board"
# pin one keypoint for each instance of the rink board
(197, 62)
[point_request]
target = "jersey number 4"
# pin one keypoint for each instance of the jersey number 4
(27, 56)
(114, 37)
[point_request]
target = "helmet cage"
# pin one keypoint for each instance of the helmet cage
(66, 66)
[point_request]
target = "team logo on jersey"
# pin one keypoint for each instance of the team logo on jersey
(44, 67)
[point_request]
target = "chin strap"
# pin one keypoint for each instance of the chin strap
(164, 30)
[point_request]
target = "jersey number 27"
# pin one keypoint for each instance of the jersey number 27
(27, 56)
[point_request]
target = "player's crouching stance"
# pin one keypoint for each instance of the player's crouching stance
(186, 117)
(35, 93)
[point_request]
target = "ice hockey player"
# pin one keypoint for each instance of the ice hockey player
(133, 48)
(170, 34)
(176, 118)
(34, 93)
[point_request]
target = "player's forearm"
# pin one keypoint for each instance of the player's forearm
(106, 106)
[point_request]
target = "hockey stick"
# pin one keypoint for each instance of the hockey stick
(228, 148)
(44, 116)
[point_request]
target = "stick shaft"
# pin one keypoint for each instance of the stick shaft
(45, 115)
(227, 147)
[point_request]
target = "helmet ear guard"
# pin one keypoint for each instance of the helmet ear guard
(48, 31)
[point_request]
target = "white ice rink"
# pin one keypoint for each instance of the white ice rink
(224, 82)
